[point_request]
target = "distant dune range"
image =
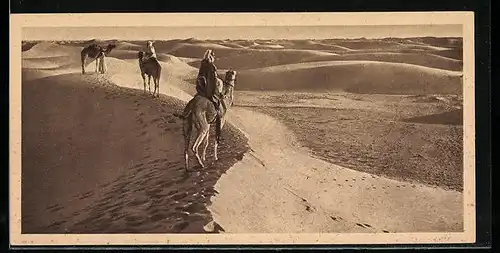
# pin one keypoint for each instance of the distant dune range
(97, 151)
(353, 76)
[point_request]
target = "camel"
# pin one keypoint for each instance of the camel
(200, 113)
(151, 67)
(97, 53)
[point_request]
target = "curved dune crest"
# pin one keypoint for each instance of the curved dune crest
(456, 53)
(127, 74)
(313, 45)
(232, 45)
(353, 76)
(427, 60)
(197, 50)
(250, 59)
(49, 62)
(49, 49)
(268, 46)
(454, 117)
(123, 54)
(129, 46)
(27, 45)
(384, 45)
(259, 59)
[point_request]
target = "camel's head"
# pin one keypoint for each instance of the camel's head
(110, 47)
(140, 54)
(231, 76)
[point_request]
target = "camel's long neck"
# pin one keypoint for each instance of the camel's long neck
(229, 95)
(107, 50)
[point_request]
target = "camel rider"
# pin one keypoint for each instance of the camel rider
(150, 51)
(206, 81)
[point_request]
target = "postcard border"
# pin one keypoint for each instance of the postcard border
(466, 19)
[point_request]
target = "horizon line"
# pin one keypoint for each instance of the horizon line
(188, 38)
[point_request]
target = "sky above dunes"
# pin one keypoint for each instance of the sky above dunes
(253, 32)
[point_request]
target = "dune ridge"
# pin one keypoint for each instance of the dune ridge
(49, 49)
(252, 60)
(83, 119)
(353, 76)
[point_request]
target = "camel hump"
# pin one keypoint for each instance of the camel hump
(189, 107)
(199, 102)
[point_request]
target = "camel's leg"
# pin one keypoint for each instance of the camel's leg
(218, 130)
(144, 81)
(205, 146)
(199, 139)
(187, 127)
(103, 64)
(97, 64)
(202, 130)
(215, 150)
(157, 86)
(149, 83)
(83, 59)
(154, 88)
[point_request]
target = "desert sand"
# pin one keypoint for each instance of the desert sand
(325, 136)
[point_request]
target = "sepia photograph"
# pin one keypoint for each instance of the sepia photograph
(238, 128)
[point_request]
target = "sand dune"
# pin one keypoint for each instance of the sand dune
(122, 68)
(27, 45)
(129, 46)
(244, 43)
(232, 45)
(352, 76)
(132, 54)
(126, 73)
(197, 50)
(280, 188)
(313, 45)
(426, 60)
(451, 53)
(267, 46)
(49, 49)
(123, 54)
(257, 59)
(249, 59)
(454, 117)
(384, 45)
(439, 42)
(49, 62)
(118, 162)
(80, 175)
(306, 51)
